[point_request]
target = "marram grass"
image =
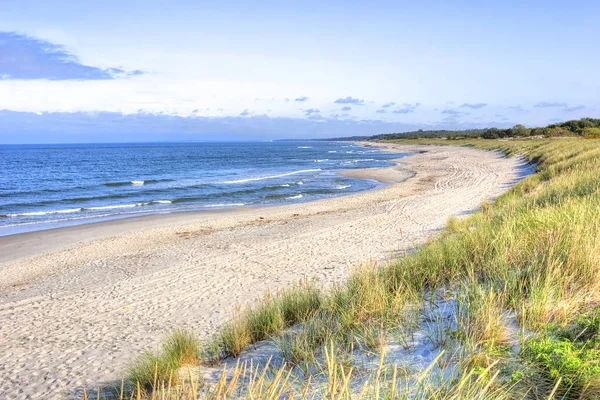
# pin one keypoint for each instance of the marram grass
(521, 272)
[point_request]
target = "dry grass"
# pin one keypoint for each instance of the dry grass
(272, 383)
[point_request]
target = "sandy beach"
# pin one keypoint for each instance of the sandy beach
(78, 303)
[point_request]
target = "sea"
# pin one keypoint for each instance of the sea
(49, 186)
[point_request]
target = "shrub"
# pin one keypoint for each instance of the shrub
(591, 133)
(576, 366)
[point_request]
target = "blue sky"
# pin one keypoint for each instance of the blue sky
(196, 70)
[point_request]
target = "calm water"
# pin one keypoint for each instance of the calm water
(45, 186)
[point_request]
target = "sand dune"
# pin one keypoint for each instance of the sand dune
(77, 304)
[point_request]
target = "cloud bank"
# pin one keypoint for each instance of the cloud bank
(24, 57)
(85, 127)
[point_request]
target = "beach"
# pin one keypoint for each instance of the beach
(77, 304)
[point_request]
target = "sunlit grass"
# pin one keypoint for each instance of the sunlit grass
(160, 368)
(522, 265)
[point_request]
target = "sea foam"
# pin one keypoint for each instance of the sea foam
(273, 176)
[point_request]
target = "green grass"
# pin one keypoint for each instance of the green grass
(531, 259)
(268, 317)
(156, 369)
(571, 354)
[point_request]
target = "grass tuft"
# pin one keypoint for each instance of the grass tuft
(180, 348)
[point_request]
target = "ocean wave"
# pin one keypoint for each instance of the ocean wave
(82, 209)
(299, 183)
(223, 205)
(305, 147)
(38, 213)
(272, 176)
(332, 151)
(116, 207)
(350, 162)
(85, 217)
(137, 182)
(285, 185)
(298, 196)
(323, 160)
(132, 205)
(105, 215)
(340, 187)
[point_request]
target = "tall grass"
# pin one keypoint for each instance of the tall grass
(266, 318)
(273, 383)
(533, 256)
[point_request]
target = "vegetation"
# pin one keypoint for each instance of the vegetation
(178, 349)
(585, 127)
(521, 279)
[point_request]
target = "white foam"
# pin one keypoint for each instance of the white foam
(340, 187)
(224, 205)
(332, 151)
(305, 147)
(273, 176)
(137, 183)
(325, 159)
(74, 210)
(299, 183)
(296, 197)
(38, 213)
(285, 185)
(115, 207)
(86, 217)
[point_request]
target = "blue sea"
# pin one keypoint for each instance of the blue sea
(46, 186)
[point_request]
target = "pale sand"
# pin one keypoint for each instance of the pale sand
(77, 304)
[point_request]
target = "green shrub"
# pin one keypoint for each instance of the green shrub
(591, 133)
(577, 367)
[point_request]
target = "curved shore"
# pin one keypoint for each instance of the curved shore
(78, 303)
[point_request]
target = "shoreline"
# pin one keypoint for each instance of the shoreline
(26, 244)
(89, 298)
(375, 174)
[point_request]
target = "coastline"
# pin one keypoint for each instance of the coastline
(139, 198)
(30, 243)
(90, 297)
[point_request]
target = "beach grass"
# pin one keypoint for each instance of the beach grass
(522, 277)
(152, 369)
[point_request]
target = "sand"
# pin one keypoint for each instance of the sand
(78, 303)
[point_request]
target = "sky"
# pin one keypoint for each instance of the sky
(91, 71)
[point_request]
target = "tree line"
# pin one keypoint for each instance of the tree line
(584, 127)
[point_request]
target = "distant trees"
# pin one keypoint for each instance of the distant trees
(430, 134)
(585, 127)
(520, 130)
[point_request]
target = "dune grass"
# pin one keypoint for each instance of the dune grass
(524, 273)
(178, 349)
